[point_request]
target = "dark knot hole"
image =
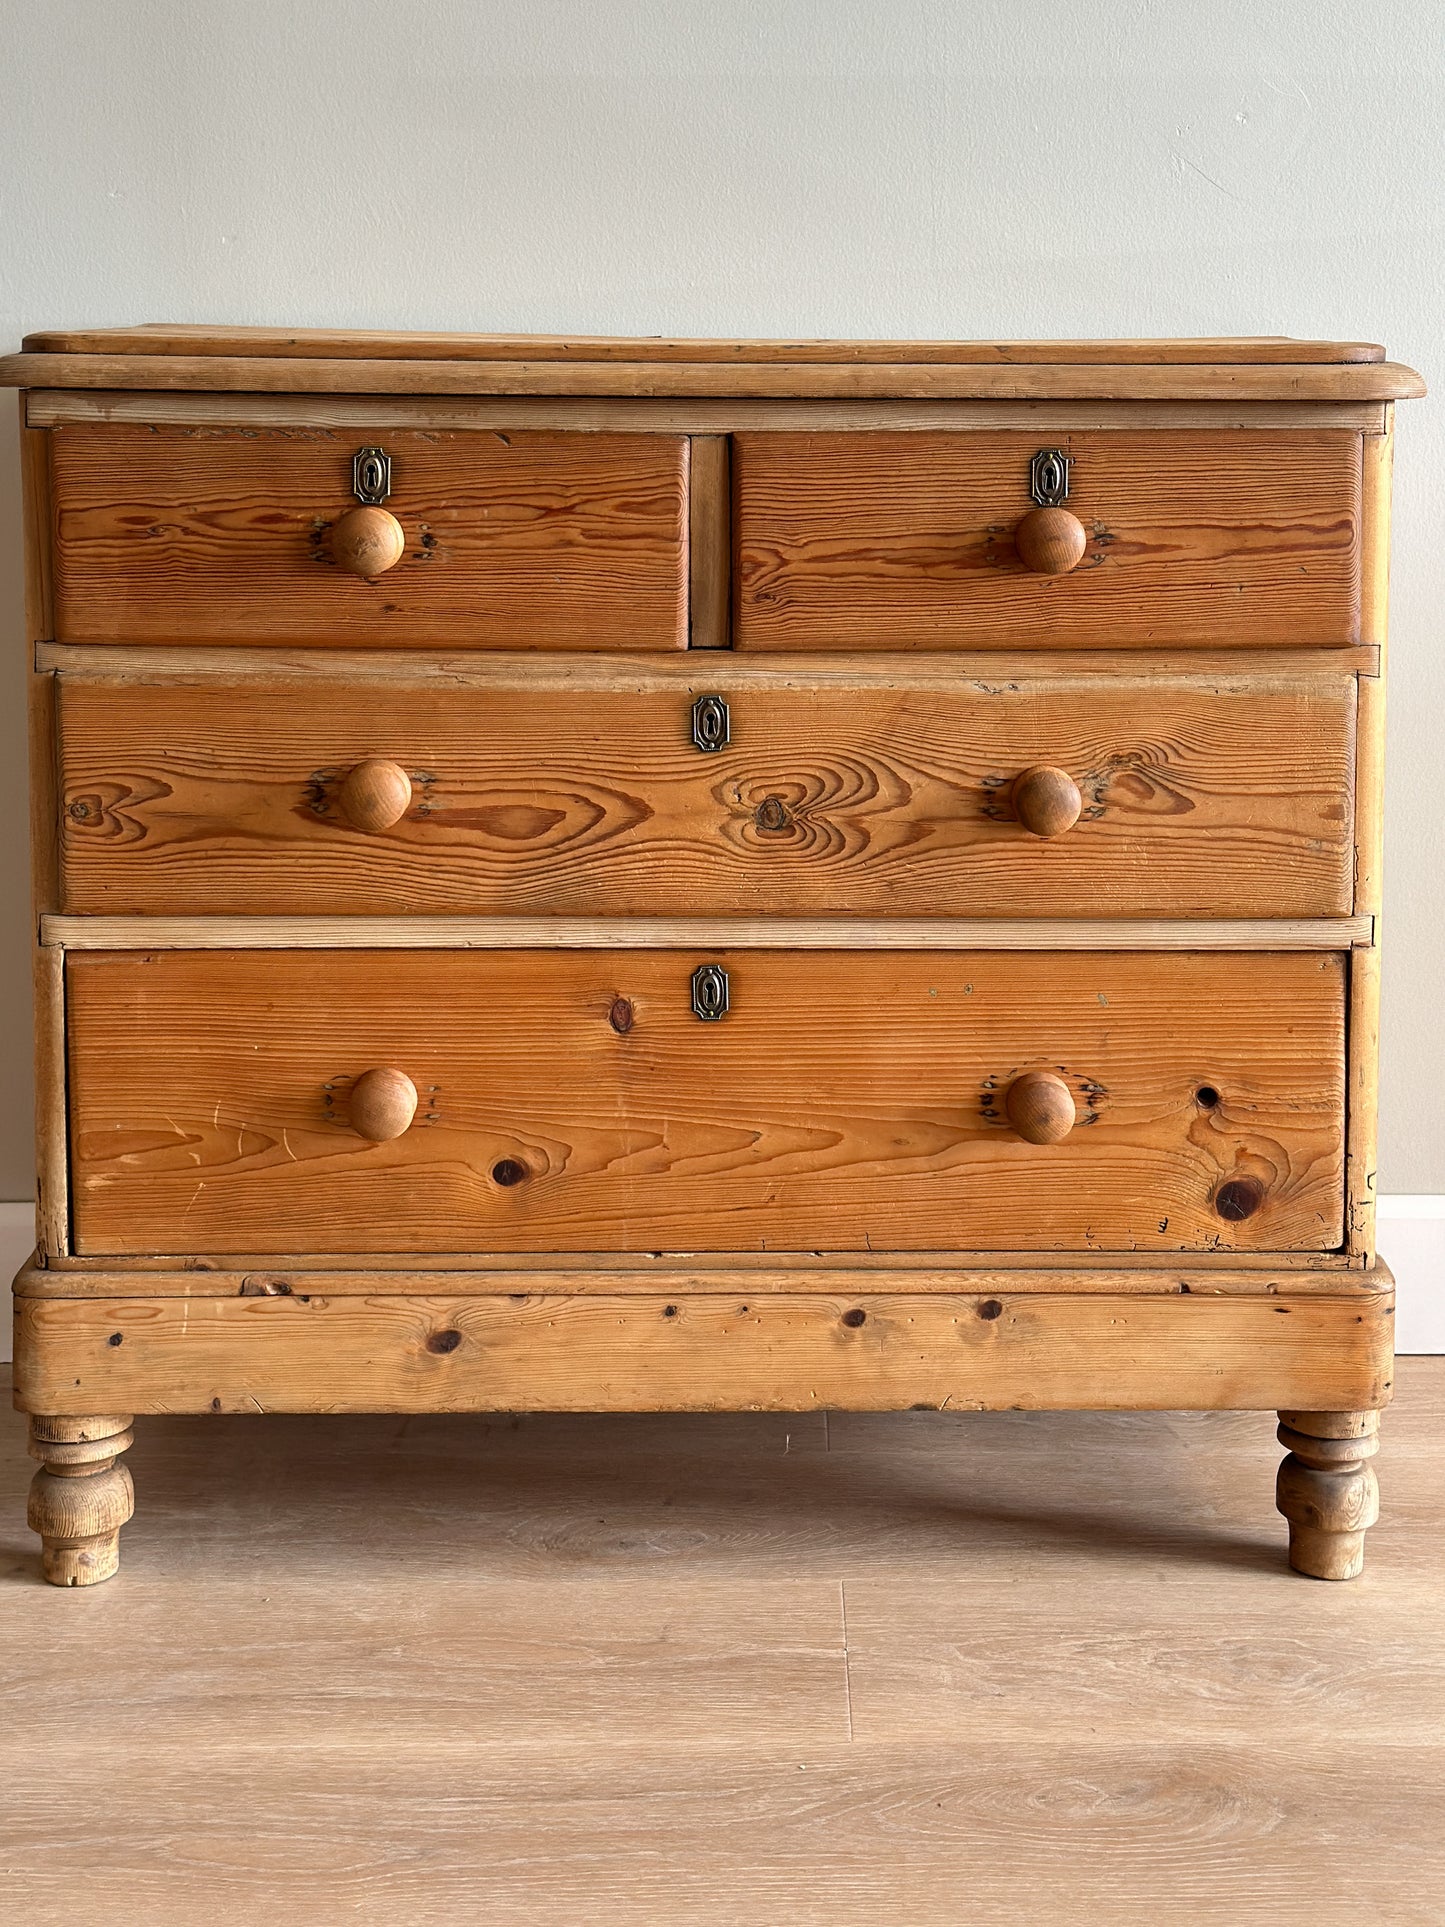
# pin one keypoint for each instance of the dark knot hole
(1238, 1198)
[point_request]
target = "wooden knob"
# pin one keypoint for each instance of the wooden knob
(368, 541)
(1050, 541)
(383, 1104)
(1040, 1107)
(377, 794)
(1046, 800)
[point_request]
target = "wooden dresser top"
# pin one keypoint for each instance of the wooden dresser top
(161, 356)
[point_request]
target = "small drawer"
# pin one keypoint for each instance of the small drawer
(920, 541)
(172, 534)
(1086, 795)
(489, 1101)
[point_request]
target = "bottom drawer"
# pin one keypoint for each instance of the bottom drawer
(575, 1101)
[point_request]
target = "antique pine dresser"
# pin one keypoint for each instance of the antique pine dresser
(610, 875)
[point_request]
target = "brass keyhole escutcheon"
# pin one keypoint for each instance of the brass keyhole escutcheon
(710, 993)
(371, 476)
(711, 723)
(1049, 477)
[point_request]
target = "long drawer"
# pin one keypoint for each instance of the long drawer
(169, 534)
(913, 541)
(565, 1101)
(667, 794)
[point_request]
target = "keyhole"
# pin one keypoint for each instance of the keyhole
(711, 723)
(709, 992)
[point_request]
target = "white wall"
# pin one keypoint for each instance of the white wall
(911, 167)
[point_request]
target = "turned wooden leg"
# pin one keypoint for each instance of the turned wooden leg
(80, 1498)
(1327, 1490)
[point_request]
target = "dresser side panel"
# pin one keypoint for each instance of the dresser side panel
(1363, 1040)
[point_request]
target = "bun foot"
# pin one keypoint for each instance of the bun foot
(1327, 1490)
(80, 1498)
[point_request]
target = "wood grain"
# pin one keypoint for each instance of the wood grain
(1365, 973)
(704, 415)
(1362, 1102)
(1376, 491)
(169, 534)
(709, 542)
(1328, 1491)
(168, 338)
(874, 1352)
(52, 1209)
(847, 1101)
(1369, 796)
(1231, 382)
(713, 1834)
(906, 542)
(36, 516)
(232, 798)
(80, 1497)
(1370, 727)
(607, 1668)
(52, 1138)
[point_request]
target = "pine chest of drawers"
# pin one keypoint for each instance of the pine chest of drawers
(646, 875)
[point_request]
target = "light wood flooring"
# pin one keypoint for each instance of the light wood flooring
(916, 1668)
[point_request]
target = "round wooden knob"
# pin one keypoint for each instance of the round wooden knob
(367, 541)
(1046, 800)
(1050, 541)
(376, 794)
(383, 1104)
(1040, 1107)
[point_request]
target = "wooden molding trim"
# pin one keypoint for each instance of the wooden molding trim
(706, 933)
(887, 1350)
(633, 1274)
(1123, 381)
(202, 338)
(722, 669)
(57, 408)
(177, 1273)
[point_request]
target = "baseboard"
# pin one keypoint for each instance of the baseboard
(17, 1241)
(1411, 1238)
(1412, 1243)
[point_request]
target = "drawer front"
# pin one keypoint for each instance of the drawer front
(225, 1102)
(169, 534)
(907, 541)
(1229, 797)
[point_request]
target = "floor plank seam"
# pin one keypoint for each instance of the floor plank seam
(847, 1665)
